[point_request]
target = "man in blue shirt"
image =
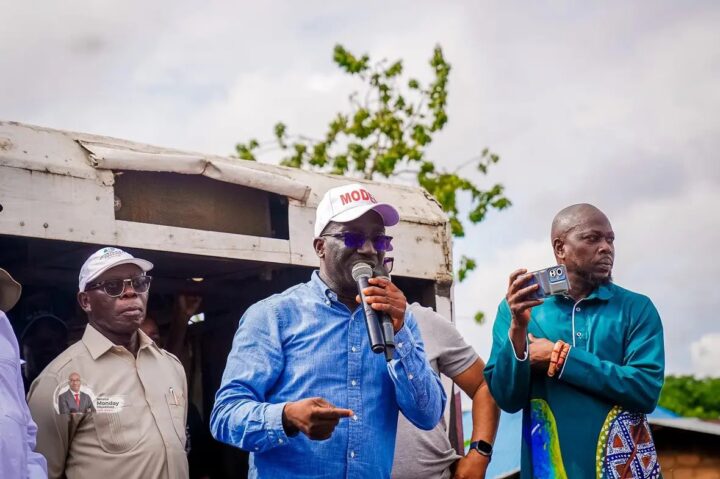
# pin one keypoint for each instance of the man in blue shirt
(301, 362)
(584, 367)
(18, 458)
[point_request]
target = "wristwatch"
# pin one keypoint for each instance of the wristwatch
(482, 447)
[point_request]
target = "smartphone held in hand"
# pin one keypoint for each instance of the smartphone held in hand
(552, 280)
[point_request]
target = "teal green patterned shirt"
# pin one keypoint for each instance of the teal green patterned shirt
(589, 420)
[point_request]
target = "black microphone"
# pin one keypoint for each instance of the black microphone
(385, 321)
(361, 272)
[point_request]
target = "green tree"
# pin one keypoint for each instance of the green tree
(692, 397)
(385, 133)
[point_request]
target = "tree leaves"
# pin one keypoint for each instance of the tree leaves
(348, 62)
(386, 132)
(245, 150)
(466, 265)
(692, 397)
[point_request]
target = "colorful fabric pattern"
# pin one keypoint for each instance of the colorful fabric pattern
(626, 448)
(547, 458)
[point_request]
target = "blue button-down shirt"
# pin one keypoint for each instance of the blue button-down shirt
(17, 429)
(304, 343)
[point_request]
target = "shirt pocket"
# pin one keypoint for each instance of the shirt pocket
(176, 405)
(118, 431)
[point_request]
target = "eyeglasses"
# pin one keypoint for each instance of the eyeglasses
(381, 243)
(116, 287)
(388, 264)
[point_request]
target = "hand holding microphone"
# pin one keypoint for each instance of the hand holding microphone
(384, 305)
(383, 295)
(386, 323)
(362, 274)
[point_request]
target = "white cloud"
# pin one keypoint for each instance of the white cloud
(706, 355)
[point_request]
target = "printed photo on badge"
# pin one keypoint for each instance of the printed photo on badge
(74, 397)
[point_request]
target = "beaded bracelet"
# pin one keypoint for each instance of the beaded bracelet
(554, 356)
(563, 356)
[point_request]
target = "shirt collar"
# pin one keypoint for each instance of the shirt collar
(95, 342)
(146, 342)
(98, 344)
(603, 293)
(319, 286)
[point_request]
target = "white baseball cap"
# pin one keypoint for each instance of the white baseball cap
(9, 291)
(348, 202)
(106, 258)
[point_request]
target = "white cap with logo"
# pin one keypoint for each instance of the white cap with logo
(348, 202)
(104, 259)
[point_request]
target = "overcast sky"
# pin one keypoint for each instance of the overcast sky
(615, 103)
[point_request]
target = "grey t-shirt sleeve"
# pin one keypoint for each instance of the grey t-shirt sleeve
(443, 341)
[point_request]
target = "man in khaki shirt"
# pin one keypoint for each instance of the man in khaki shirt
(138, 390)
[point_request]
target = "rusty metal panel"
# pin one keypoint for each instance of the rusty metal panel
(94, 157)
(43, 205)
(38, 149)
(112, 154)
(203, 243)
(56, 188)
(191, 201)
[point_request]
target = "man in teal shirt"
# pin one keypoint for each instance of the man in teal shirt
(585, 418)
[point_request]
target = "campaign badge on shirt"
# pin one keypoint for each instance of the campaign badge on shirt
(109, 404)
(74, 397)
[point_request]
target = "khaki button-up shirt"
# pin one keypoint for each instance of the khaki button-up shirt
(138, 427)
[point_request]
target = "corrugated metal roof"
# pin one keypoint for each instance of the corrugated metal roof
(687, 424)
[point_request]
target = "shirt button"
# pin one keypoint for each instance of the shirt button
(257, 448)
(352, 453)
(579, 334)
(410, 376)
(400, 344)
(327, 301)
(577, 309)
(353, 382)
(280, 441)
(353, 349)
(354, 418)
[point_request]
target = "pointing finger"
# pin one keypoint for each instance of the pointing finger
(333, 413)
